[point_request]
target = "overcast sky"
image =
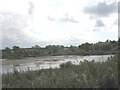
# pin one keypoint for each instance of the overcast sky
(65, 22)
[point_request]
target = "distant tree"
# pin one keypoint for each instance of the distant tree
(7, 49)
(16, 47)
(17, 52)
(107, 47)
(36, 46)
(85, 46)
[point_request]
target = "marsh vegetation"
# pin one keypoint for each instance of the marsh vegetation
(88, 74)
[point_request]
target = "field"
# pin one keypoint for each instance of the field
(88, 74)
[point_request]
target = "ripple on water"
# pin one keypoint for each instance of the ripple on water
(52, 64)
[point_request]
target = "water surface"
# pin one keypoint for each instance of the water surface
(54, 62)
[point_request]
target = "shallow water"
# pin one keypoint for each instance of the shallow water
(44, 64)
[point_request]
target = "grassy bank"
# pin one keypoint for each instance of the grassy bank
(85, 75)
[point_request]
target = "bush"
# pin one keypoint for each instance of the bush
(66, 65)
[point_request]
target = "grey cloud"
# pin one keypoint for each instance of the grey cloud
(13, 26)
(30, 9)
(101, 9)
(96, 30)
(68, 42)
(93, 17)
(51, 18)
(99, 23)
(73, 41)
(68, 18)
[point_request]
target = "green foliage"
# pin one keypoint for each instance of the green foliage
(100, 48)
(66, 65)
(86, 75)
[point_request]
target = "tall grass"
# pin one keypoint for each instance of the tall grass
(86, 75)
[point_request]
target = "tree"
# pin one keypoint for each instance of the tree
(17, 52)
(15, 48)
(36, 46)
(7, 49)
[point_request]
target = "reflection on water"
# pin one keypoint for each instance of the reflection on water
(44, 64)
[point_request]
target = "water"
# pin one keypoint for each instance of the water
(2, 59)
(42, 64)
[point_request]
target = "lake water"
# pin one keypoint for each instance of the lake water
(45, 64)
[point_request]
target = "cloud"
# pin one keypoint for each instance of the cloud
(99, 23)
(67, 42)
(73, 41)
(101, 9)
(68, 18)
(51, 18)
(13, 26)
(29, 22)
(30, 9)
(96, 30)
(65, 18)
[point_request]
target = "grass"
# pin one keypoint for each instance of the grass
(86, 75)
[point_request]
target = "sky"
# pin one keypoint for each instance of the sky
(26, 23)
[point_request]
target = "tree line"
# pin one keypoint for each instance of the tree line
(99, 48)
